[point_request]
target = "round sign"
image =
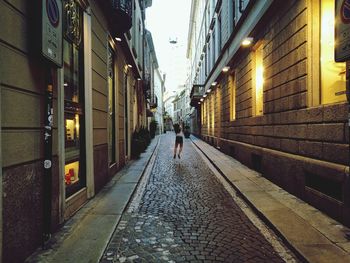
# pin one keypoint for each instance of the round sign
(345, 11)
(53, 13)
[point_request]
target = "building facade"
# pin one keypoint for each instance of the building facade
(158, 111)
(169, 110)
(98, 97)
(267, 91)
(156, 80)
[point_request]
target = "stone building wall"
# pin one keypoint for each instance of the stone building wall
(300, 146)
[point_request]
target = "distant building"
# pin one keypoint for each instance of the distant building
(158, 100)
(267, 91)
(156, 80)
(168, 110)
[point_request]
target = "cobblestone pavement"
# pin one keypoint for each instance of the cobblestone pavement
(186, 215)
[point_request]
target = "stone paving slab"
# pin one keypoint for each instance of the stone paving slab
(86, 235)
(88, 241)
(315, 236)
(116, 200)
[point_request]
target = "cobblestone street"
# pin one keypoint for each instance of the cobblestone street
(186, 215)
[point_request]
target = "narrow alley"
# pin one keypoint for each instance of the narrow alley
(186, 215)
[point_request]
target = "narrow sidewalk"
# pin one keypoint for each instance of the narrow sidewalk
(85, 236)
(309, 232)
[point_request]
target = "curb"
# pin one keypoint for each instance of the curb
(148, 163)
(252, 206)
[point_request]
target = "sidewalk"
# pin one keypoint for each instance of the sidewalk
(85, 236)
(309, 232)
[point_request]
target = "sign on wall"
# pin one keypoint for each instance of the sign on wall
(342, 30)
(51, 47)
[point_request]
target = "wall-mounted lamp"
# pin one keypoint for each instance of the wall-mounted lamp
(214, 83)
(199, 103)
(118, 39)
(209, 90)
(129, 66)
(247, 41)
(201, 99)
(225, 69)
(204, 95)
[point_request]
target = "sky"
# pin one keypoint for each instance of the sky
(168, 20)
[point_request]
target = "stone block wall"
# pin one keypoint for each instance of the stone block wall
(303, 148)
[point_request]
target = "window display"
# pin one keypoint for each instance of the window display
(73, 98)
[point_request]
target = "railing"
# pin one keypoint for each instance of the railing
(197, 92)
(124, 6)
(119, 14)
(147, 82)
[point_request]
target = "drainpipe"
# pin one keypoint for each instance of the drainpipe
(47, 180)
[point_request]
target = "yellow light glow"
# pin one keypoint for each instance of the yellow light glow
(332, 74)
(259, 82)
(77, 125)
(232, 85)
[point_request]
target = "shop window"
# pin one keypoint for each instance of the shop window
(73, 98)
(232, 88)
(111, 108)
(258, 82)
(333, 77)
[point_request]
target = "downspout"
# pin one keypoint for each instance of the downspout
(47, 180)
(1, 179)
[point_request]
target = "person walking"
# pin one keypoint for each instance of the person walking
(178, 140)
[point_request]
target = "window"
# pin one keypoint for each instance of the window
(213, 53)
(258, 82)
(206, 61)
(234, 12)
(111, 107)
(219, 32)
(333, 79)
(212, 111)
(232, 89)
(73, 98)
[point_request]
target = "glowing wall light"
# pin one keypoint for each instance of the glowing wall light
(247, 41)
(225, 69)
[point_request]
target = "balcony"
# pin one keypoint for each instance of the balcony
(154, 103)
(147, 82)
(197, 92)
(119, 14)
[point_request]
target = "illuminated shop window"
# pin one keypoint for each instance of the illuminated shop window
(232, 87)
(258, 82)
(333, 77)
(73, 97)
